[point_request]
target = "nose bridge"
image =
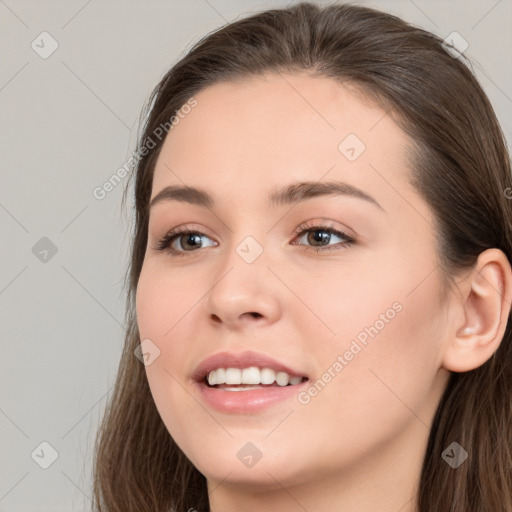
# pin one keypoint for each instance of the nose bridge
(248, 241)
(243, 266)
(243, 283)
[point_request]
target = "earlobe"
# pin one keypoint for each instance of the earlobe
(486, 304)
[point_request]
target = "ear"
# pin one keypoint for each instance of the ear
(486, 304)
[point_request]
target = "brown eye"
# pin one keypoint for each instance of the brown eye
(188, 241)
(320, 236)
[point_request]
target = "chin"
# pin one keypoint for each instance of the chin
(251, 463)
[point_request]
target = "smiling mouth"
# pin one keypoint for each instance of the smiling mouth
(237, 379)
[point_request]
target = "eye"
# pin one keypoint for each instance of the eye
(189, 238)
(322, 235)
(186, 238)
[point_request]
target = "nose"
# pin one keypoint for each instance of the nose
(244, 294)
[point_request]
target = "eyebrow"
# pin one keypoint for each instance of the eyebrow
(289, 194)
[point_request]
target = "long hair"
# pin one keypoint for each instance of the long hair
(460, 165)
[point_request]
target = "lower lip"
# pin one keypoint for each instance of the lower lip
(249, 401)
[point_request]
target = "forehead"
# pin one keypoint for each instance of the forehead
(286, 104)
(264, 131)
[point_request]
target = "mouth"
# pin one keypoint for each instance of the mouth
(253, 377)
(247, 382)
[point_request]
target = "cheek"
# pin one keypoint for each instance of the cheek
(165, 303)
(379, 347)
(160, 299)
(165, 314)
(390, 339)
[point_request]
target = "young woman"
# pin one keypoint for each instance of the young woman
(320, 285)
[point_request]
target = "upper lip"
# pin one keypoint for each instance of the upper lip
(241, 360)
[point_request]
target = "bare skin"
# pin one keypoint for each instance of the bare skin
(358, 443)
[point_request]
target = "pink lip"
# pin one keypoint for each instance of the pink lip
(242, 360)
(244, 401)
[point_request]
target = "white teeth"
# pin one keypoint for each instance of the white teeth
(282, 378)
(251, 376)
(267, 376)
(233, 376)
(220, 375)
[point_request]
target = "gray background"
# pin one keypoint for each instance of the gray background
(67, 123)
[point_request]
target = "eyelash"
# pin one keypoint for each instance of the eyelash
(164, 243)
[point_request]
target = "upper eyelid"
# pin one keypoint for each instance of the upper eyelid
(319, 222)
(305, 226)
(323, 225)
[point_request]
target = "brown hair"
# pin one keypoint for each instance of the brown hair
(460, 165)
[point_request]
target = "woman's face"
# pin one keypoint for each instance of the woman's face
(264, 283)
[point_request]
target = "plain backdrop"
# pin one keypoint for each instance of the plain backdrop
(67, 123)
